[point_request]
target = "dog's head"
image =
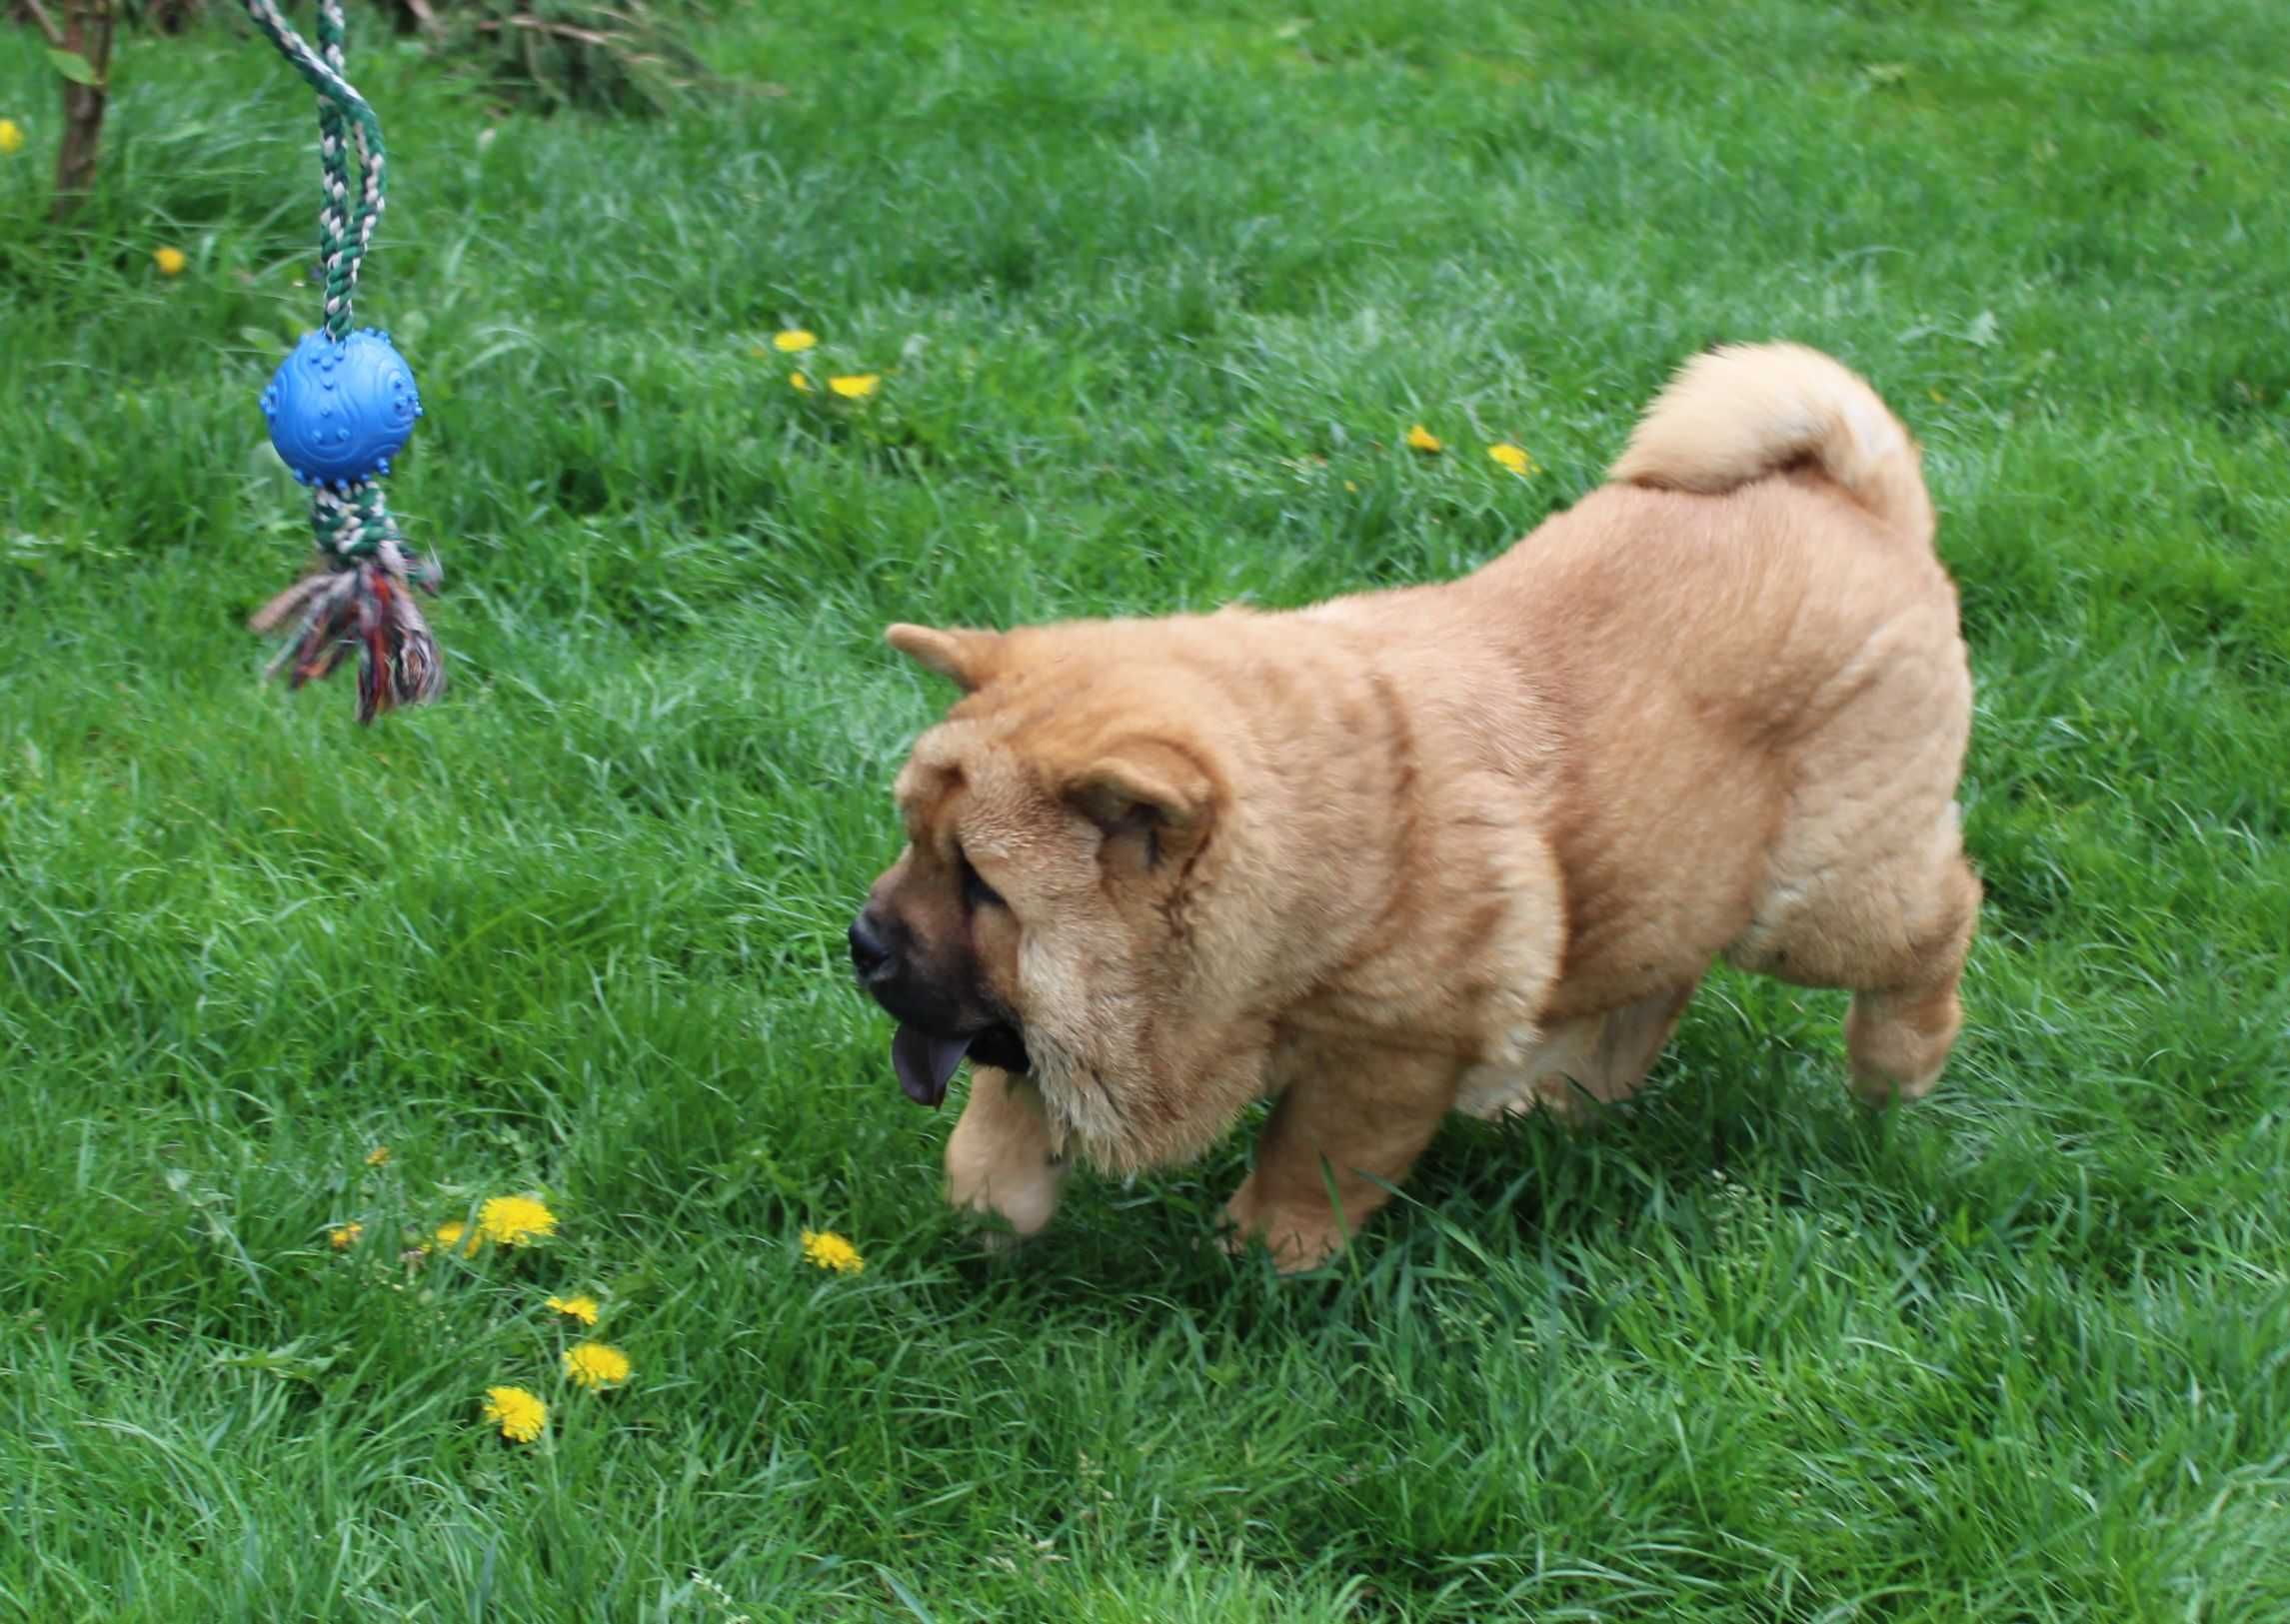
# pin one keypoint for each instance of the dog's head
(1051, 914)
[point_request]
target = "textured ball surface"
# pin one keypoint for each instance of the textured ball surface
(338, 411)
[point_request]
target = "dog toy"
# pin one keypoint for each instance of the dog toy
(339, 407)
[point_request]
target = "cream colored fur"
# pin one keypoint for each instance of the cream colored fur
(1471, 846)
(1739, 413)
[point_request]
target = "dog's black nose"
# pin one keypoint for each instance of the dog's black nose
(869, 951)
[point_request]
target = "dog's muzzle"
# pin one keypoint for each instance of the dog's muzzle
(933, 1037)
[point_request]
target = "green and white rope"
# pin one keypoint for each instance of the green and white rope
(346, 126)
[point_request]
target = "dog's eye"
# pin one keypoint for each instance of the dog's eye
(976, 892)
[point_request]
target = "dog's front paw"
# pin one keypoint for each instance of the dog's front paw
(1023, 1198)
(990, 1237)
(998, 1160)
(1298, 1238)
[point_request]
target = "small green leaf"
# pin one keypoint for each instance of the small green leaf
(75, 67)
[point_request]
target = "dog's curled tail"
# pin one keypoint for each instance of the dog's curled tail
(1744, 411)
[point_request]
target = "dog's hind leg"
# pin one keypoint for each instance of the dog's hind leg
(1898, 1033)
(1866, 887)
(1581, 1065)
(1895, 933)
(1624, 1049)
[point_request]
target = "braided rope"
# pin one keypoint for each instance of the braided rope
(360, 593)
(346, 126)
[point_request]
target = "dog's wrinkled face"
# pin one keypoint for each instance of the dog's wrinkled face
(937, 943)
(1039, 919)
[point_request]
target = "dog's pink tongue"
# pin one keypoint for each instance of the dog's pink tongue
(925, 1063)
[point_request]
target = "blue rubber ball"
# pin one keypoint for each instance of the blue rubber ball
(339, 411)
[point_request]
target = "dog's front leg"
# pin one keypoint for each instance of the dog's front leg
(1353, 1122)
(998, 1159)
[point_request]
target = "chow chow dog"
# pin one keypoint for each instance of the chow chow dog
(1466, 847)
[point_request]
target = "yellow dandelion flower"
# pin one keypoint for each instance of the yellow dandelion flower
(857, 386)
(793, 341)
(452, 1234)
(378, 1157)
(11, 138)
(345, 1236)
(582, 1308)
(1422, 439)
(169, 260)
(1513, 458)
(517, 1412)
(831, 1252)
(516, 1220)
(799, 383)
(594, 1364)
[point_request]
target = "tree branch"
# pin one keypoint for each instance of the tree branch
(45, 23)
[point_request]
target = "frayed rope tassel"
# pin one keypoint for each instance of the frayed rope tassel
(360, 595)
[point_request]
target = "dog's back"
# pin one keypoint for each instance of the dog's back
(1750, 651)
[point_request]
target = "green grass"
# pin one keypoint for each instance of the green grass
(1156, 288)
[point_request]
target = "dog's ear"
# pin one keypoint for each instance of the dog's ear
(964, 657)
(1152, 798)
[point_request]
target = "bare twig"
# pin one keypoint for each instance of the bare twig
(45, 23)
(548, 26)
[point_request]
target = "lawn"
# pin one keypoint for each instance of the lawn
(1156, 290)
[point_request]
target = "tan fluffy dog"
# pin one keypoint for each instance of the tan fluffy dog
(1465, 847)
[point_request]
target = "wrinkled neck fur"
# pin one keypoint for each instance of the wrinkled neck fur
(1437, 914)
(1344, 821)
